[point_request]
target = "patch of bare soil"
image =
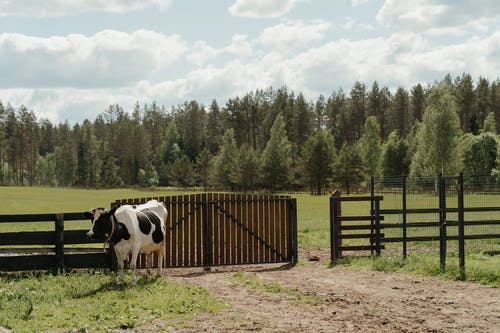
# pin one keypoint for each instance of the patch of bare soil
(321, 299)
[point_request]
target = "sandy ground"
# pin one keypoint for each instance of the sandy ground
(316, 298)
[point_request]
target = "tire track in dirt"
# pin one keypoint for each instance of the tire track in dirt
(315, 298)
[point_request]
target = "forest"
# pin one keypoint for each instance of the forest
(269, 139)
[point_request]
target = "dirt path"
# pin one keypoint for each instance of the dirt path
(316, 298)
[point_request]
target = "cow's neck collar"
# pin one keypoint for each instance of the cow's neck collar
(112, 219)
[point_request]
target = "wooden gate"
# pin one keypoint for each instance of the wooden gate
(213, 229)
(366, 228)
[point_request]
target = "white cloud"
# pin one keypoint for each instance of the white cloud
(401, 59)
(433, 15)
(108, 58)
(262, 8)
(49, 8)
(202, 53)
(353, 25)
(290, 35)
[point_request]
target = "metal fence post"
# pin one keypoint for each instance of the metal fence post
(372, 212)
(377, 227)
(442, 222)
(404, 216)
(461, 231)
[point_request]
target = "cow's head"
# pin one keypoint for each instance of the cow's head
(101, 220)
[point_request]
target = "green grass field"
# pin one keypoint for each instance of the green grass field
(313, 218)
(41, 301)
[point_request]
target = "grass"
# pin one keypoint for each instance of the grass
(313, 219)
(93, 301)
(42, 200)
(480, 268)
(253, 282)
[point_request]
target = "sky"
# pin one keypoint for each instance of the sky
(71, 59)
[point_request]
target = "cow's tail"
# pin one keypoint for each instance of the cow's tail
(164, 230)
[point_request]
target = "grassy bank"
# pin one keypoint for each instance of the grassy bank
(480, 268)
(93, 301)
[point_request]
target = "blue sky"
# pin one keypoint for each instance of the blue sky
(70, 59)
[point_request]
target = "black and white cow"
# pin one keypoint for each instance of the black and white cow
(133, 230)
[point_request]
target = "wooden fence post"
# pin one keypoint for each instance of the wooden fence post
(59, 241)
(335, 211)
(207, 232)
(293, 230)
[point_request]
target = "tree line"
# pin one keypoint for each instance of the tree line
(267, 139)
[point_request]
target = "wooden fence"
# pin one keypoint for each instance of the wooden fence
(214, 229)
(31, 250)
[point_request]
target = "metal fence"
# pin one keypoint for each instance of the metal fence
(453, 216)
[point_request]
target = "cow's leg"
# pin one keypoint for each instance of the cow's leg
(121, 263)
(161, 256)
(149, 262)
(133, 263)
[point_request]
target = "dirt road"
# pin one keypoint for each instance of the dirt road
(315, 298)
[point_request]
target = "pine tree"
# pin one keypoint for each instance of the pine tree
(371, 147)
(215, 129)
(303, 122)
(358, 109)
(466, 100)
(65, 156)
(483, 106)
(490, 124)
(109, 171)
(348, 167)
(417, 105)
(320, 114)
(245, 172)
(395, 160)
(203, 166)
(276, 161)
(181, 172)
(317, 157)
(224, 161)
(89, 162)
(400, 118)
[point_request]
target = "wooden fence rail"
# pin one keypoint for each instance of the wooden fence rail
(31, 250)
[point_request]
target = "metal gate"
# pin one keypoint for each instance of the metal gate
(214, 229)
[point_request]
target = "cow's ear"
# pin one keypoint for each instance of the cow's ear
(89, 215)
